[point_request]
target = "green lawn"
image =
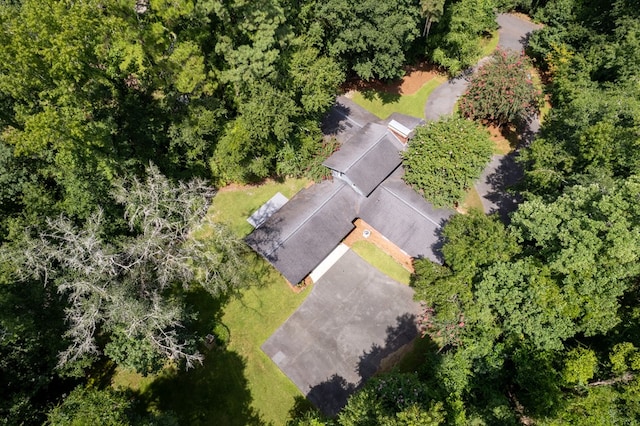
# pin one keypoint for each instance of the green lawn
(383, 104)
(472, 200)
(234, 207)
(488, 45)
(238, 385)
(382, 261)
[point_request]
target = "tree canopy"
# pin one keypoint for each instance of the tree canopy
(445, 157)
(537, 320)
(118, 287)
(101, 254)
(502, 91)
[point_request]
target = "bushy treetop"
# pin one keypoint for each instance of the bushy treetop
(445, 157)
(502, 91)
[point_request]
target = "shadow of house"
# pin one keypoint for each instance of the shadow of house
(367, 184)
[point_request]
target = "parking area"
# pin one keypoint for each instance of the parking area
(353, 319)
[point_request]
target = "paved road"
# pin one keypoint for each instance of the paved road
(503, 171)
(354, 317)
(514, 31)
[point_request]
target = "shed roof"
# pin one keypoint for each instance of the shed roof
(267, 210)
(305, 230)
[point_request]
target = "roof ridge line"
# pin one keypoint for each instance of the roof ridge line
(409, 205)
(373, 145)
(297, 228)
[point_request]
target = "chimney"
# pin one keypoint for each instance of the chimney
(399, 131)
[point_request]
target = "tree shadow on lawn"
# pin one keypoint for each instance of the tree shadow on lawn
(381, 95)
(215, 393)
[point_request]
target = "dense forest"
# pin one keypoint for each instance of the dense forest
(119, 118)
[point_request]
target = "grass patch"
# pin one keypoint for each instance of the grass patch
(383, 104)
(488, 45)
(239, 384)
(252, 319)
(233, 207)
(382, 261)
(545, 109)
(472, 200)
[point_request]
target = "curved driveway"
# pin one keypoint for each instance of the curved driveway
(513, 35)
(503, 171)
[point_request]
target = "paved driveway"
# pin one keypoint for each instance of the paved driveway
(354, 317)
(514, 32)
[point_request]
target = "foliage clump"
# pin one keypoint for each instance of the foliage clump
(454, 43)
(445, 157)
(131, 290)
(502, 91)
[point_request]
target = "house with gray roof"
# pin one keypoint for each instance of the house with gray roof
(306, 229)
(367, 184)
(367, 158)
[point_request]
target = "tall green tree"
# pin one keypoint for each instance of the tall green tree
(445, 157)
(432, 11)
(371, 37)
(455, 41)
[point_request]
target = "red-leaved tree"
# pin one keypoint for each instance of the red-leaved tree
(502, 91)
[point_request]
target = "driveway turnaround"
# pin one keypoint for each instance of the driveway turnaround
(354, 317)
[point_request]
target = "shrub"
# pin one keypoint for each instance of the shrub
(502, 91)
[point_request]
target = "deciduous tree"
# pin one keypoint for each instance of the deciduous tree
(502, 91)
(445, 157)
(130, 288)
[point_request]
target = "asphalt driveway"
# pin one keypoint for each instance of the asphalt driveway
(354, 317)
(513, 35)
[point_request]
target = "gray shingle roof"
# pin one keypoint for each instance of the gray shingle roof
(306, 229)
(367, 158)
(405, 217)
(300, 235)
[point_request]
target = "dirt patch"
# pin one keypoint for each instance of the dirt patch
(233, 187)
(415, 77)
(506, 138)
(523, 16)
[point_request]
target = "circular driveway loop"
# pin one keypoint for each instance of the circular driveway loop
(354, 317)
